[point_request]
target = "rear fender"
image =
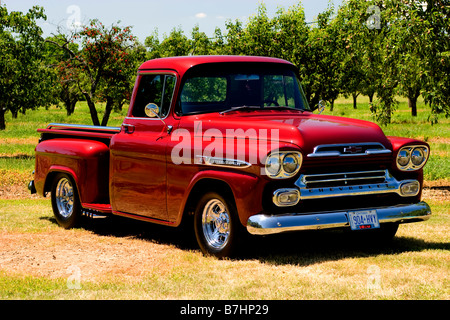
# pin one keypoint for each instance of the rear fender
(86, 161)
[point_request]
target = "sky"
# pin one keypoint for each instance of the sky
(146, 16)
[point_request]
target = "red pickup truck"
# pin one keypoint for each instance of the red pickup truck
(231, 144)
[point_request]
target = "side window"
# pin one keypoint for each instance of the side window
(157, 89)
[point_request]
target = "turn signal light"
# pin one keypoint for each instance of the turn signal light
(286, 197)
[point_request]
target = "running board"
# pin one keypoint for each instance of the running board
(96, 210)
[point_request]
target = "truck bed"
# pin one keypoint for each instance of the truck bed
(82, 152)
(57, 130)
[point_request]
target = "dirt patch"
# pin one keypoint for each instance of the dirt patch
(28, 140)
(64, 253)
(14, 185)
(439, 140)
(436, 193)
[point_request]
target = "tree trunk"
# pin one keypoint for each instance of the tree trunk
(371, 97)
(92, 110)
(331, 104)
(412, 102)
(108, 109)
(70, 106)
(2, 118)
(354, 95)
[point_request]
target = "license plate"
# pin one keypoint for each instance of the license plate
(361, 220)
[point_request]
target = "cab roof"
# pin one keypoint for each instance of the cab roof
(182, 64)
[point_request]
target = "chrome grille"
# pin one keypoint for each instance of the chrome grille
(316, 186)
(350, 149)
(342, 179)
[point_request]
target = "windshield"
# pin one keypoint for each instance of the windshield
(220, 89)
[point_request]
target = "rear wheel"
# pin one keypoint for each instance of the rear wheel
(65, 203)
(217, 225)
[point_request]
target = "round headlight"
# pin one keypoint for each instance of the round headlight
(273, 165)
(403, 157)
(290, 163)
(412, 157)
(417, 156)
(283, 164)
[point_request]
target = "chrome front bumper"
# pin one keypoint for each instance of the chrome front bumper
(263, 224)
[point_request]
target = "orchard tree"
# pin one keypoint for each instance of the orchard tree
(105, 67)
(24, 80)
(65, 79)
(259, 34)
(408, 31)
(353, 75)
(233, 38)
(178, 44)
(202, 44)
(172, 45)
(326, 58)
(291, 42)
(434, 18)
(370, 32)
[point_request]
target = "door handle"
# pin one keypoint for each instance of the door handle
(128, 128)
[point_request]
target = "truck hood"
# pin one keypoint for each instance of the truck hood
(304, 129)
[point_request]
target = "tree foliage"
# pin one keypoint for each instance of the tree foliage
(65, 87)
(104, 68)
(24, 80)
(378, 48)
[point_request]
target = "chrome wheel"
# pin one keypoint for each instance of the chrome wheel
(216, 224)
(64, 197)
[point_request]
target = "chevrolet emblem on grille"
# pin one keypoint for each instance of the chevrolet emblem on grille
(353, 149)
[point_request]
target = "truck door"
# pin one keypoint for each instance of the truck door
(138, 178)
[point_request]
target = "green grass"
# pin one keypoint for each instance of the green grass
(326, 266)
(25, 216)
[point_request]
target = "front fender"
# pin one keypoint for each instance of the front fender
(246, 189)
(397, 144)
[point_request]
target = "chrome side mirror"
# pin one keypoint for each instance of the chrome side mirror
(321, 106)
(152, 110)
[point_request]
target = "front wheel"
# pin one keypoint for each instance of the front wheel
(65, 203)
(217, 225)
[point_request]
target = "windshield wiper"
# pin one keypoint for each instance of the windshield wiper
(283, 107)
(260, 108)
(278, 107)
(240, 108)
